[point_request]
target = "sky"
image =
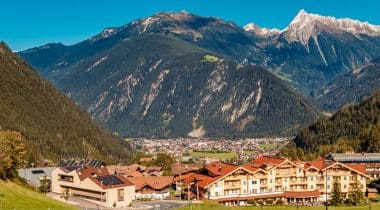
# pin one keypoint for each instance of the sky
(31, 23)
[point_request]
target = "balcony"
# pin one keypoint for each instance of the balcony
(234, 186)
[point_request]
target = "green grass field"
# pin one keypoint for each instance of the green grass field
(216, 206)
(221, 156)
(17, 197)
(266, 145)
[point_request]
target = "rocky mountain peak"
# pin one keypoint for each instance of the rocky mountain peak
(306, 25)
(252, 27)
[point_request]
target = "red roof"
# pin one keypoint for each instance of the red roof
(301, 194)
(266, 160)
(202, 180)
(319, 164)
(154, 182)
(220, 169)
(251, 167)
(357, 167)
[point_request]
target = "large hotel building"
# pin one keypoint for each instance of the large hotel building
(273, 180)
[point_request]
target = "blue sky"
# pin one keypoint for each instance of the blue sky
(27, 23)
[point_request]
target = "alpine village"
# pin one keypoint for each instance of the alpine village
(182, 111)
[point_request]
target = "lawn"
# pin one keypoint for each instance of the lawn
(221, 156)
(266, 146)
(17, 197)
(216, 206)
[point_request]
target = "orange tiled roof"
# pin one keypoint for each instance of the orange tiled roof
(154, 182)
(266, 160)
(301, 194)
(251, 167)
(357, 167)
(319, 164)
(220, 169)
(185, 168)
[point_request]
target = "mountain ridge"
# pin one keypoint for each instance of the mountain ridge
(53, 126)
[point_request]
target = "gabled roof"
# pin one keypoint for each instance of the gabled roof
(179, 168)
(267, 160)
(357, 167)
(220, 169)
(317, 164)
(154, 182)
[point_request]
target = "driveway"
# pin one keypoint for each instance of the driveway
(85, 204)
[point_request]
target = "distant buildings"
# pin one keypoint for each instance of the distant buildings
(371, 161)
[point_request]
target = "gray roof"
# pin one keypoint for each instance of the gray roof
(34, 175)
(355, 157)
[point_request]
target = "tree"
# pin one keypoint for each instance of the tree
(357, 196)
(165, 161)
(12, 153)
(44, 185)
(336, 195)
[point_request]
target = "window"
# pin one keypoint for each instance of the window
(245, 191)
(311, 187)
(254, 190)
(216, 184)
(328, 186)
(270, 172)
(345, 186)
(328, 178)
(286, 179)
(311, 179)
(66, 178)
(216, 194)
(345, 177)
(270, 180)
(254, 182)
(244, 182)
(120, 194)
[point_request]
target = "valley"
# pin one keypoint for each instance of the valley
(162, 107)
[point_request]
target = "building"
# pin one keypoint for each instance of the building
(152, 187)
(274, 180)
(93, 183)
(35, 176)
(371, 161)
(371, 192)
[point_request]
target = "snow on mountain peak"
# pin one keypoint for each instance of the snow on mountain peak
(306, 25)
(251, 27)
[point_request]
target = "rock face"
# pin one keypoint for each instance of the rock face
(361, 82)
(161, 86)
(311, 54)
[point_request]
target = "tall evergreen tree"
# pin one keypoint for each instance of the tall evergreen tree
(336, 195)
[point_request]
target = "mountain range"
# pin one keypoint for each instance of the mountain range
(51, 124)
(167, 88)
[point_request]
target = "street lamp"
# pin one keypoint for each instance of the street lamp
(326, 192)
(101, 194)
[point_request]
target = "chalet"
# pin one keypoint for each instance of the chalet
(152, 187)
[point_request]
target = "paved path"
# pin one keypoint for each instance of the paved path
(85, 204)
